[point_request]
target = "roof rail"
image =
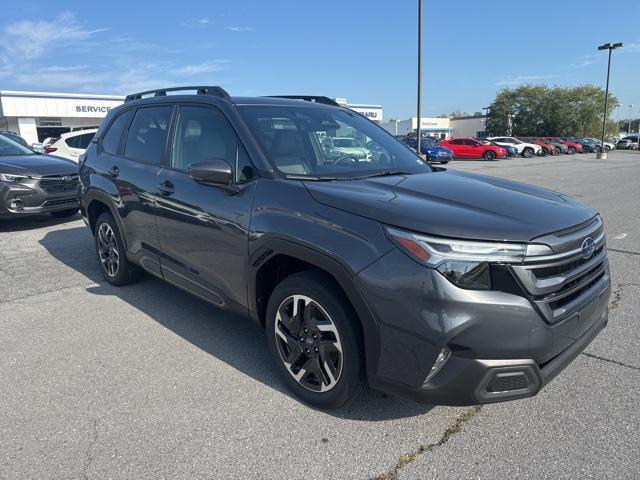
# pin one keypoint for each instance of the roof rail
(161, 92)
(309, 98)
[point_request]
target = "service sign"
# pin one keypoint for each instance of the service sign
(40, 105)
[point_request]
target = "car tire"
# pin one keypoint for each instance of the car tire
(557, 151)
(607, 148)
(65, 213)
(527, 152)
(110, 250)
(489, 155)
(571, 151)
(543, 152)
(328, 342)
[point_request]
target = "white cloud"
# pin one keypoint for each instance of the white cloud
(31, 39)
(210, 66)
(239, 29)
(196, 22)
(521, 79)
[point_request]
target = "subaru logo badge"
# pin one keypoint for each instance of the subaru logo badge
(66, 179)
(588, 247)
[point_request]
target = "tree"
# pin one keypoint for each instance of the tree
(539, 110)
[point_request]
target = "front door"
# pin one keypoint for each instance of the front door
(202, 228)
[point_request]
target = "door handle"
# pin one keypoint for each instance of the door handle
(166, 188)
(114, 171)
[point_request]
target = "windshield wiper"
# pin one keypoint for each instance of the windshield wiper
(310, 178)
(384, 173)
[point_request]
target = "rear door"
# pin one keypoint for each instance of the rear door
(203, 229)
(472, 148)
(132, 164)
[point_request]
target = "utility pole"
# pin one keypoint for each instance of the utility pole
(418, 143)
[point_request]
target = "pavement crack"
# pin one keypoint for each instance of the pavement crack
(608, 360)
(617, 294)
(88, 458)
(628, 252)
(408, 458)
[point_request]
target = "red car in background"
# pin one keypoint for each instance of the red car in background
(573, 147)
(473, 148)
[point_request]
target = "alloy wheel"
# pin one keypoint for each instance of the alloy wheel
(108, 250)
(308, 343)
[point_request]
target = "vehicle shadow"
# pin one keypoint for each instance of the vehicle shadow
(233, 339)
(32, 222)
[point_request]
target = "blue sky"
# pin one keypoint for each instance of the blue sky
(362, 50)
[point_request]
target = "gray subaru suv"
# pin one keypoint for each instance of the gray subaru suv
(440, 286)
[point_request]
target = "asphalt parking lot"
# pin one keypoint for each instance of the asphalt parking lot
(146, 381)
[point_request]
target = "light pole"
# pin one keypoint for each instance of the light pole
(629, 127)
(418, 149)
(610, 47)
(486, 121)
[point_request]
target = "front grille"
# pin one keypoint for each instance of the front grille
(562, 284)
(59, 184)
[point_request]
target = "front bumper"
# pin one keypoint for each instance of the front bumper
(19, 200)
(501, 347)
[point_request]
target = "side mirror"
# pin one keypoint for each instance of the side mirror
(214, 171)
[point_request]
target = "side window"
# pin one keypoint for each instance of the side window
(112, 138)
(84, 140)
(72, 142)
(457, 142)
(203, 133)
(147, 135)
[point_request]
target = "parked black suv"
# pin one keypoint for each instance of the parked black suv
(445, 287)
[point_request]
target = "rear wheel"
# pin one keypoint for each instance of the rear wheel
(115, 266)
(543, 152)
(572, 150)
(607, 148)
(65, 213)
(313, 337)
(489, 155)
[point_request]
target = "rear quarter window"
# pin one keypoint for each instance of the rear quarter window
(112, 138)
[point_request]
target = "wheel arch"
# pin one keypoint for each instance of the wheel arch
(97, 203)
(277, 258)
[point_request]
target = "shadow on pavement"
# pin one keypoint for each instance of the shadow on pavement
(31, 222)
(233, 339)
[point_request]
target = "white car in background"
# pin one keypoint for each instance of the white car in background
(527, 150)
(71, 145)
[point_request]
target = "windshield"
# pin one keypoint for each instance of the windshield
(310, 141)
(9, 147)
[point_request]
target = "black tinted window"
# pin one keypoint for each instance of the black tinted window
(112, 138)
(202, 133)
(84, 140)
(244, 168)
(147, 135)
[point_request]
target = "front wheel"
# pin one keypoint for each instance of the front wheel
(572, 150)
(65, 213)
(489, 155)
(527, 153)
(313, 336)
(607, 148)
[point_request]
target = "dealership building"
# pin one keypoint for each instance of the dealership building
(38, 115)
(439, 127)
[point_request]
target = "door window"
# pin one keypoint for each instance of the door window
(111, 140)
(201, 134)
(147, 135)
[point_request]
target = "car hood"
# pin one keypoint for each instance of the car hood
(37, 165)
(456, 204)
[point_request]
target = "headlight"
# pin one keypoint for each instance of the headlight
(7, 177)
(464, 263)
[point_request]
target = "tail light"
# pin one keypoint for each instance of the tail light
(50, 149)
